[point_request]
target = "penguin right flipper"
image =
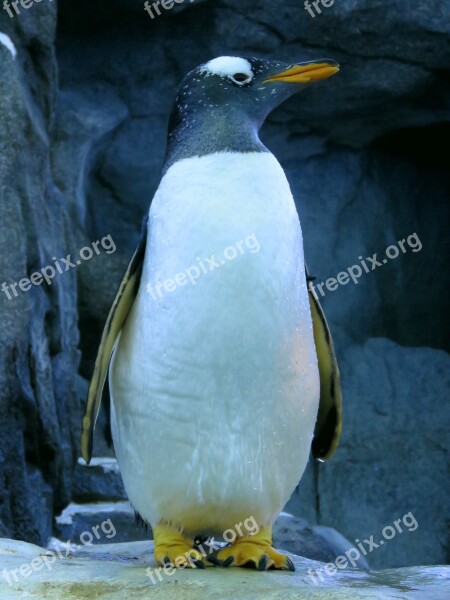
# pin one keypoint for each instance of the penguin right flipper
(328, 427)
(117, 316)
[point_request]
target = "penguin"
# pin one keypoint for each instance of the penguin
(220, 384)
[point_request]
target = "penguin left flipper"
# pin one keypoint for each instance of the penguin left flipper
(117, 316)
(328, 427)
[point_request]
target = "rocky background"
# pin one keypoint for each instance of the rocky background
(85, 95)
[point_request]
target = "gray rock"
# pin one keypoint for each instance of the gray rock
(39, 406)
(122, 571)
(99, 481)
(98, 522)
(324, 544)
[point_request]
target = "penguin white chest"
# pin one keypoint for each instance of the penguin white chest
(214, 379)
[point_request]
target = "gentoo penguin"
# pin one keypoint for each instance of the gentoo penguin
(221, 366)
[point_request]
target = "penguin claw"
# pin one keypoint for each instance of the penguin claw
(220, 563)
(262, 564)
(228, 562)
(199, 564)
(289, 564)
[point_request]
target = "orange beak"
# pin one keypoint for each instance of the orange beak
(307, 72)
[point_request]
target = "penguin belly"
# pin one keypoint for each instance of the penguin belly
(214, 382)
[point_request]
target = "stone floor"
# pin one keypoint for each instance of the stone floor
(126, 571)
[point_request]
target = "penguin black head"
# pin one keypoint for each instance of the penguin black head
(221, 105)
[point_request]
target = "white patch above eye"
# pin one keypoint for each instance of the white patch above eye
(6, 41)
(227, 66)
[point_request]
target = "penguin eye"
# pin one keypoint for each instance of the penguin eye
(240, 78)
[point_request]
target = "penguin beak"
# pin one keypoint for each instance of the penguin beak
(306, 72)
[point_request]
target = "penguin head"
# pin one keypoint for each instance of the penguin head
(222, 104)
(252, 86)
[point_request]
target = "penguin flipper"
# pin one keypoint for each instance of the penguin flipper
(328, 427)
(117, 316)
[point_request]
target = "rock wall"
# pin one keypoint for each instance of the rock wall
(39, 336)
(81, 160)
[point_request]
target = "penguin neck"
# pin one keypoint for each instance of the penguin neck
(208, 132)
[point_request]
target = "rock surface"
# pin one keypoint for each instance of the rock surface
(39, 402)
(315, 542)
(123, 571)
(80, 157)
(98, 481)
(291, 533)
